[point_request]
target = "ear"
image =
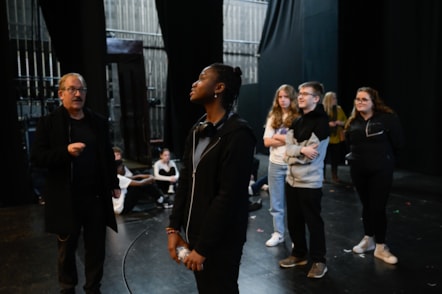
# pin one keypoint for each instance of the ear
(60, 94)
(219, 88)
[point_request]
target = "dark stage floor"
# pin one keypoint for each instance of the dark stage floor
(138, 262)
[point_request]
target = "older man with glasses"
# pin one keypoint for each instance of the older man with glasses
(73, 144)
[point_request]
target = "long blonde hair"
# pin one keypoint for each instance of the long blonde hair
(276, 111)
(328, 102)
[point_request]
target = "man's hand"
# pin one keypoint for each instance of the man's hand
(75, 149)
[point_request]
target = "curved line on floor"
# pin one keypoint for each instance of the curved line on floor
(123, 272)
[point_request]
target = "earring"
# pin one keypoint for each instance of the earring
(215, 96)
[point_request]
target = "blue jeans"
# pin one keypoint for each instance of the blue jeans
(259, 183)
(276, 176)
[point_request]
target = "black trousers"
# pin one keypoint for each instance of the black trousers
(335, 156)
(373, 186)
(135, 193)
(90, 222)
(221, 271)
(164, 185)
(304, 209)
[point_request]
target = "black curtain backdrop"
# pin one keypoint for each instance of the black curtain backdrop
(394, 47)
(15, 176)
(78, 34)
(280, 53)
(193, 38)
(298, 43)
(134, 121)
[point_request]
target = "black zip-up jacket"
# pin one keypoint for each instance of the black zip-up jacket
(374, 142)
(211, 203)
(49, 150)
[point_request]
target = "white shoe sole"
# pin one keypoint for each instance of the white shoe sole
(318, 277)
(273, 244)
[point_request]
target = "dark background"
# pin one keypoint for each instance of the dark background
(392, 46)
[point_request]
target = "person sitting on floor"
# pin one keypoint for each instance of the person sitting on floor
(261, 184)
(166, 172)
(118, 153)
(135, 188)
(254, 188)
(254, 205)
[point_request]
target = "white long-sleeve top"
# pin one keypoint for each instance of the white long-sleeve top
(159, 165)
(118, 203)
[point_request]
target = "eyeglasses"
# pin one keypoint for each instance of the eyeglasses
(72, 90)
(303, 94)
(362, 100)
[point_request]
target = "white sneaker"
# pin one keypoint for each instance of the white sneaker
(276, 239)
(366, 244)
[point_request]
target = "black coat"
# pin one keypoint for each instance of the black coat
(49, 150)
(211, 203)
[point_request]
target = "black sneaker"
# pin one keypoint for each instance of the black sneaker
(160, 202)
(255, 205)
(167, 203)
